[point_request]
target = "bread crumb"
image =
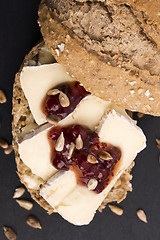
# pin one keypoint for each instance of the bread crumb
(61, 47)
(132, 83)
(151, 99)
(147, 93)
(140, 90)
(132, 91)
(57, 51)
(148, 107)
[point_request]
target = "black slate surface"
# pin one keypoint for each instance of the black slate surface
(18, 34)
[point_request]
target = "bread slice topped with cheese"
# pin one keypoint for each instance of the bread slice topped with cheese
(111, 46)
(71, 147)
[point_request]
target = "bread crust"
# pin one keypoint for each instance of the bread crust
(150, 9)
(21, 111)
(130, 89)
(22, 114)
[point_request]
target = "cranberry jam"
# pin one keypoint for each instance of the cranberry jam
(76, 147)
(74, 92)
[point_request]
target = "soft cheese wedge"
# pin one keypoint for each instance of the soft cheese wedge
(88, 112)
(36, 154)
(36, 81)
(76, 203)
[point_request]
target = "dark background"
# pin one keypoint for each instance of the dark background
(18, 34)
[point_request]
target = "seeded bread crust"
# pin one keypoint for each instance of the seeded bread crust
(147, 13)
(23, 119)
(111, 46)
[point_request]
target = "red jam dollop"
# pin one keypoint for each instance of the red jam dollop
(102, 170)
(75, 93)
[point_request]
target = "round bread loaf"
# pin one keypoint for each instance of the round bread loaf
(111, 46)
(23, 122)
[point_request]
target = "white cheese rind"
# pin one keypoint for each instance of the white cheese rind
(80, 205)
(36, 81)
(36, 154)
(64, 183)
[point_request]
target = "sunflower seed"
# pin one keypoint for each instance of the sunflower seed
(158, 143)
(116, 210)
(92, 159)
(60, 143)
(71, 150)
(8, 150)
(141, 215)
(53, 92)
(25, 204)
(92, 184)
(79, 142)
(3, 98)
(53, 119)
(19, 192)
(33, 222)
(105, 155)
(140, 90)
(9, 233)
(3, 143)
(64, 100)
(140, 115)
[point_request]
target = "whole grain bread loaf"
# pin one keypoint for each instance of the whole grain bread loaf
(23, 123)
(111, 46)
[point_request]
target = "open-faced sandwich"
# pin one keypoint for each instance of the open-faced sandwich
(73, 140)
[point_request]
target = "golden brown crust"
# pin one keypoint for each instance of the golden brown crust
(22, 114)
(137, 92)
